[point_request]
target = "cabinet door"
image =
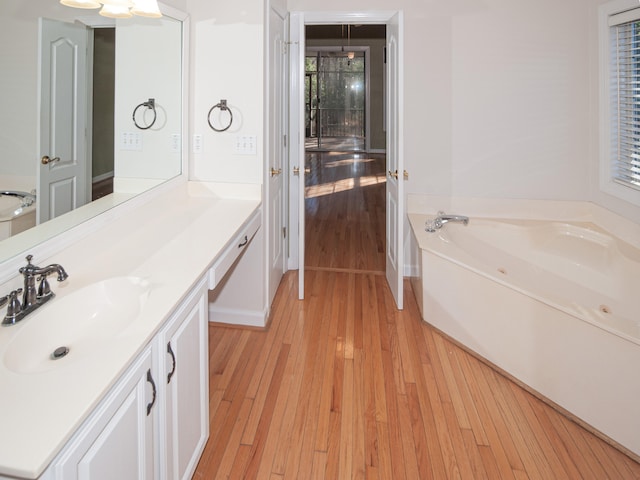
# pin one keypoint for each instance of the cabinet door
(186, 386)
(117, 441)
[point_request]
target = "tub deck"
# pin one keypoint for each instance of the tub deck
(585, 367)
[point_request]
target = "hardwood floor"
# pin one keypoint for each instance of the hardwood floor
(344, 386)
(345, 219)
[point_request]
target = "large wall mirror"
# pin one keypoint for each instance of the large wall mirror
(92, 114)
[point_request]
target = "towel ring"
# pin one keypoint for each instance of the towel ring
(223, 108)
(151, 105)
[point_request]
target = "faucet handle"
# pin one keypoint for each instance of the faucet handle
(28, 267)
(44, 289)
(14, 306)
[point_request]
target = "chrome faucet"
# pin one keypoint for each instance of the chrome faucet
(32, 297)
(442, 218)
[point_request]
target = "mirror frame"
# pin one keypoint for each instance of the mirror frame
(44, 240)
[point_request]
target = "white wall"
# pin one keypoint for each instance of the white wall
(227, 62)
(149, 70)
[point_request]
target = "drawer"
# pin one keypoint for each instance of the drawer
(233, 250)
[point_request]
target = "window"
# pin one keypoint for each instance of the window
(620, 99)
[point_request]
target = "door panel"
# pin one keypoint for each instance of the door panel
(62, 182)
(395, 167)
(296, 146)
(276, 151)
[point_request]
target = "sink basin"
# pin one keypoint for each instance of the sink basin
(73, 327)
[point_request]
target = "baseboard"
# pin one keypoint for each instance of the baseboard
(411, 271)
(102, 177)
(248, 318)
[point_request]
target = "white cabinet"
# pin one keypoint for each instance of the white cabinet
(184, 393)
(155, 422)
(117, 441)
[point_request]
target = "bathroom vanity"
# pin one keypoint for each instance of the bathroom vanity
(134, 403)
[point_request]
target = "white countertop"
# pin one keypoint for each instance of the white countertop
(171, 242)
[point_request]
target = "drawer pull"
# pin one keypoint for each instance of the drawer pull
(173, 359)
(245, 241)
(153, 386)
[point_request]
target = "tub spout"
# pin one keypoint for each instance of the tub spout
(442, 218)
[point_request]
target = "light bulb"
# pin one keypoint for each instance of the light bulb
(117, 3)
(112, 11)
(146, 8)
(81, 3)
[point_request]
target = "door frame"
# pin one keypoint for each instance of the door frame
(298, 21)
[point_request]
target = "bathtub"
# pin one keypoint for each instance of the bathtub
(554, 304)
(17, 212)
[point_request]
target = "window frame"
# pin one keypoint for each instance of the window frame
(607, 183)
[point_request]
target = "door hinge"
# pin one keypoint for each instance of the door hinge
(285, 46)
(285, 139)
(284, 232)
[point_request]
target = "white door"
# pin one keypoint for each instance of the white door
(395, 164)
(118, 440)
(184, 373)
(276, 151)
(64, 171)
(296, 148)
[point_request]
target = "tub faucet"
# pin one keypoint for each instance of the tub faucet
(442, 218)
(32, 297)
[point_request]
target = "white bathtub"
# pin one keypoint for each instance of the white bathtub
(555, 304)
(16, 215)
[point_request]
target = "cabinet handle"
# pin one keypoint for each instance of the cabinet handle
(153, 386)
(244, 242)
(173, 359)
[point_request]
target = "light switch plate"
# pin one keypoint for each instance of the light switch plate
(131, 141)
(175, 143)
(245, 145)
(197, 143)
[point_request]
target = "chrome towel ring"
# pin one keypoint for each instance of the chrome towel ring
(151, 105)
(223, 108)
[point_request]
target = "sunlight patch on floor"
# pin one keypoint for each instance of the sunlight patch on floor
(343, 185)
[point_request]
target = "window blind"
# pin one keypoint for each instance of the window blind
(625, 100)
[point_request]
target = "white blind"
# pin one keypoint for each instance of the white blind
(625, 103)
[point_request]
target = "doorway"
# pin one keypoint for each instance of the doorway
(345, 185)
(391, 121)
(102, 131)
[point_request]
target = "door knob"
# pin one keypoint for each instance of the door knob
(275, 171)
(296, 170)
(46, 160)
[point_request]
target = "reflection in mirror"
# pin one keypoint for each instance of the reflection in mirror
(67, 131)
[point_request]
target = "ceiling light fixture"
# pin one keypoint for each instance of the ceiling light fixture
(119, 8)
(146, 8)
(115, 11)
(81, 3)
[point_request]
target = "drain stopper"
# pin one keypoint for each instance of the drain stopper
(59, 352)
